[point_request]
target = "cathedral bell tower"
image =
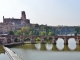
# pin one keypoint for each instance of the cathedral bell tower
(23, 17)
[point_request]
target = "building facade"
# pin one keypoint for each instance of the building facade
(14, 23)
(20, 21)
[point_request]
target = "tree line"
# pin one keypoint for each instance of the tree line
(77, 31)
(39, 30)
(36, 30)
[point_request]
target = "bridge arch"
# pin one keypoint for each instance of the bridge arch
(26, 39)
(72, 43)
(8, 40)
(72, 40)
(60, 40)
(16, 39)
(60, 43)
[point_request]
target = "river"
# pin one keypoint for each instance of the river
(3, 55)
(46, 51)
(49, 51)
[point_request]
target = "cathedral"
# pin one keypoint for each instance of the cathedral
(21, 21)
(14, 23)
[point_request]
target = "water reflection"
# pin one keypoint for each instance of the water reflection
(72, 46)
(3, 55)
(51, 47)
(38, 46)
(2, 51)
(43, 47)
(60, 46)
(66, 48)
(47, 52)
(50, 51)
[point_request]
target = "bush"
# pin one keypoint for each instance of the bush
(26, 39)
(37, 39)
(11, 33)
(48, 38)
(16, 40)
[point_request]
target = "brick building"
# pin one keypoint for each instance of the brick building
(13, 23)
(20, 21)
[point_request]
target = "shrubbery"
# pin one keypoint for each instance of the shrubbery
(37, 39)
(16, 40)
(26, 39)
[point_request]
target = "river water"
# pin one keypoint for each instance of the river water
(3, 55)
(46, 51)
(49, 51)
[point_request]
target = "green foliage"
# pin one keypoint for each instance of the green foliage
(25, 30)
(48, 38)
(50, 33)
(43, 33)
(31, 33)
(41, 30)
(35, 32)
(77, 31)
(18, 32)
(11, 33)
(37, 39)
(75, 34)
(26, 39)
(37, 26)
(16, 40)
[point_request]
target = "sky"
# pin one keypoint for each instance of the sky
(50, 12)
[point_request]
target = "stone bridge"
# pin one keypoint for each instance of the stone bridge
(11, 38)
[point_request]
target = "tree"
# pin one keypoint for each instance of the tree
(25, 30)
(75, 33)
(50, 33)
(37, 39)
(18, 32)
(26, 39)
(11, 33)
(77, 30)
(43, 33)
(42, 28)
(36, 25)
(35, 32)
(30, 33)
